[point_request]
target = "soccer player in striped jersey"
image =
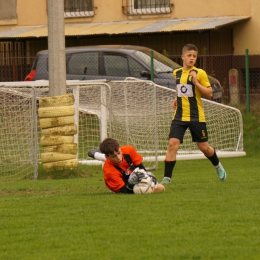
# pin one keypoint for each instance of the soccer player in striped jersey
(191, 84)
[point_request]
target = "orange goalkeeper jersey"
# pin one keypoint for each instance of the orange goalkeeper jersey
(112, 176)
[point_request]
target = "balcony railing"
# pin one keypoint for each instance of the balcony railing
(138, 7)
(78, 8)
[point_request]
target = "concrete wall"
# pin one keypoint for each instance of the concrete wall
(32, 12)
(8, 12)
(35, 11)
(246, 35)
(203, 8)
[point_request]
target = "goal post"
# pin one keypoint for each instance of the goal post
(18, 133)
(224, 123)
(134, 112)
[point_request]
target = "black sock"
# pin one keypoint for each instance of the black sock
(168, 168)
(214, 159)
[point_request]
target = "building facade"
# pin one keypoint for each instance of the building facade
(216, 27)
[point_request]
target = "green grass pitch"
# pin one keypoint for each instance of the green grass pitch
(197, 217)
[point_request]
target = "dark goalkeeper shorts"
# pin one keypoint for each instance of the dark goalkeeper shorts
(198, 130)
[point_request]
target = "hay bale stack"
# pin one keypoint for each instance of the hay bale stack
(58, 129)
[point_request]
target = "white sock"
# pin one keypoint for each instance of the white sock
(100, 156)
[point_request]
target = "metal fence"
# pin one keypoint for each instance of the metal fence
(14, 68)
(229, 70)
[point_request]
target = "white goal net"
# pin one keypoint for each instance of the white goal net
(18, 133)
(134, 112)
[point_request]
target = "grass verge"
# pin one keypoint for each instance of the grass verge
(74, 216)
(198, 217)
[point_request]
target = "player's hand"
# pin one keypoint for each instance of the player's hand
(150, 174)
(153, 179)
(194, 77)
(174, 103)
(154, 184)
(150, 179)
(136, 176)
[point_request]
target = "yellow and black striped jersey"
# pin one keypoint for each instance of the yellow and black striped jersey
(189, 103)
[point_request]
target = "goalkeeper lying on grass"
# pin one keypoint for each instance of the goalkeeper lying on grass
(123, 166)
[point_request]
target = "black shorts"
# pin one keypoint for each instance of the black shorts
(198, 130)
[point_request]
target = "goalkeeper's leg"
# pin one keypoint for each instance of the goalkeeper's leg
(96, 154)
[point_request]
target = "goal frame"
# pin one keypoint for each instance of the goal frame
(102, 111)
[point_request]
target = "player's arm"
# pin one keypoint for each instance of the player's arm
(206, 91)
(135, 177)
(136, 158)
(126, 190)
(141, 166)
(174, 103)
(128, 187)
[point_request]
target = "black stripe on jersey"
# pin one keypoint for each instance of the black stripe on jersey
(194, 110)
(178, 76)
(178, 114)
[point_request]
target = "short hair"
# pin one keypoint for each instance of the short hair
(109, 146)
(189, 47)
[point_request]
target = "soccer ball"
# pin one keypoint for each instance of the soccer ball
(143, 188)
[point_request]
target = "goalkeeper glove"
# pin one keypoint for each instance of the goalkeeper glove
(136, 176)
(150, 180)
(154, 181)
